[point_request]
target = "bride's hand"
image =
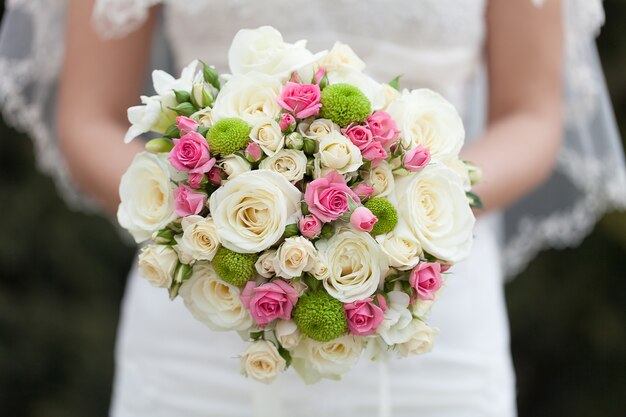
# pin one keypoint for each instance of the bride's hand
(100, 79)
(519, 147)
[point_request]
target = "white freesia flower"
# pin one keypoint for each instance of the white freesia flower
(153, 115)
(426, 118)
(165, 83)
(373, 90)
(381, 179)
(265, 264)
(157, 264)
(318, 129)
(338, 153)
(294, 256)
(290, 163)
(315, 360)
(402, 248)
(251, 97)
(252, 210)
(462, 170)
(433, 205)
(199, 240)
(268, 135)
(287, 333)
(396, 325)
(204, 117)
(214, 302)
(340, 57)
(390, 94)
(356, 264)
(261, 361)
(234, 165)
(421, 341)
(147, 196)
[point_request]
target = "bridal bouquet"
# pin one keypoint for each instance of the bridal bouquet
(300, 203)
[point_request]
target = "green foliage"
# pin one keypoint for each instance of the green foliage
(235, 268)
(344, 104)
(228, 136)
(320, 316)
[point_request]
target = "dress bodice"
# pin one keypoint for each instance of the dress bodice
(432, 43)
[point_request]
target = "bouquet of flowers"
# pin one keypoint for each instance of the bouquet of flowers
(300, 203)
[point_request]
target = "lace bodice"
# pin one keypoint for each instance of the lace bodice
(431, 43)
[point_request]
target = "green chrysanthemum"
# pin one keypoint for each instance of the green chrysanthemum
(344, 104)
(228, 136)
(234, 268)
(386, 214)
(320, 316)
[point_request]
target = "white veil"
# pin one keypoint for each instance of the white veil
(589, 179)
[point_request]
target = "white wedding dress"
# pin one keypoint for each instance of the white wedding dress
(169, 364)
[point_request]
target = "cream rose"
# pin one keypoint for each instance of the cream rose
(320, 269)
(213, 301)
(147, 196)
(287, 333)
(199, 240)
(268, 135)
(426, 118)
(356, 264)
(340, 57)
(262, 362)
(290, 163)
(421, 308)
(251, 97)
(318, 129)
(373, 90)
(337, 153)
(252, 210)
(433, 205)
(294, 256)
(265, 264)
(315, 360)
(157, 264)
(402, 248)
(396, 325)
(263, 50)
(234, 165)
(421, 340)
(381, 179)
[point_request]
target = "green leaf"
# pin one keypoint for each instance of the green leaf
(184, 109)
(172, 132)
(257, 335)
(182, 96)
(395, 83)
(311, 282)
(203, 130)
(211, 76)
(285, 355)
(474, 200)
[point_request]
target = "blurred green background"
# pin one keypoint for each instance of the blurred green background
(62, 277)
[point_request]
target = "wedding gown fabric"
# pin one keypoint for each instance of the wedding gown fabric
(170, 365)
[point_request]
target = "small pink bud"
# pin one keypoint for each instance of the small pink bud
(253, 152)
(319, 75)
(186, 125)
(286, 120)
(215, 176)
(363, 219)
(416, 158)
(363, 190)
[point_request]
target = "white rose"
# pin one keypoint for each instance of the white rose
(157, 264)
(234, 165)
(425, 118)
(199, 240)
(421, 340)
(294, 256)
(287, 333)
(421, 308)
(213, 301)
(147, 196)
(290, 163)
(263, 50)
(341, 56)
(402, 248)
(373, 90)
(268, 135)
(433, 205)
(315, 360)
(396, 325)
(265, 264)
(251, 97)
(356, 265)
(338, 153)
(320, 268)
(262, 362)
(318, 129)
(381, 179)
(252, 210)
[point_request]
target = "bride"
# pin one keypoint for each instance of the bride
(507, 53)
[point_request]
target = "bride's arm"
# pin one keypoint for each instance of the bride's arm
(520, 145)
(99, 81)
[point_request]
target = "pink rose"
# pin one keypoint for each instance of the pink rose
(416, 158)
(327, 197)
(384, 128)
(375, 153)
(269, 301)
(301, 99)
(363, 317)
(188, 202)
(363, 190)
(191, 154)
(426, 279)
(215, 176)
(195, 180)
(253, 152)
(363, 219)
(359, 135)
(286, 120)
(310, 226)
(186, 125)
